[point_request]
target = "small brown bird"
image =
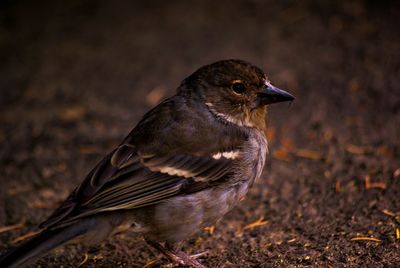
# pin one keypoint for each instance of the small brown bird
(186, 164)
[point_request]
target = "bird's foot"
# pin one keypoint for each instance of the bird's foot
(179, 257)
(191, 260)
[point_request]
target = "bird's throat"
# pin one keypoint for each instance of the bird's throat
(254, 118)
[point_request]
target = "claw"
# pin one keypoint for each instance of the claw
(200, 255)
(179, 257)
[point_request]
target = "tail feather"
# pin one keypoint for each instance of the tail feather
(39, 245)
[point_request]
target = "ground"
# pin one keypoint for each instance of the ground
(76, 76)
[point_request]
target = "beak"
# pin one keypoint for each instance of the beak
(272, 94)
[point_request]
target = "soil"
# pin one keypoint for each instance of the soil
(76, 76)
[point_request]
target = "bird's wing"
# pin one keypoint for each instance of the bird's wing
(156, 161)
(125, 179)
(143, 180)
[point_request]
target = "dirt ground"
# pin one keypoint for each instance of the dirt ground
(76, 76)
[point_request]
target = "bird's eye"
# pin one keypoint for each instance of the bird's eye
(238, 87)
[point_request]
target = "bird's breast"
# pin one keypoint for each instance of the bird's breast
(255, 151)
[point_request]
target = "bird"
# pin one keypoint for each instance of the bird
(186, 163)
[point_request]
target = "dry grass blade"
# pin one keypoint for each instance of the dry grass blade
(24, 237)
(373, 185)
(354, 149)
(85, 259)
(149, 263)
(72, 113)
(257, 223)
(388, 212)
(210, 229)
(314, 155)
(372, 239)
(11, 227)
(338, 186)
(88, 149)
(282, 155)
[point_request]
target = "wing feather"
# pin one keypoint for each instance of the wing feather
(126, 179)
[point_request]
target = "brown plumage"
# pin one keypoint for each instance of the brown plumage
(187, 162)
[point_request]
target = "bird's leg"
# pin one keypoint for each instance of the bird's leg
(174, 255)
(176, 248)
(167, 253)
(190, 260)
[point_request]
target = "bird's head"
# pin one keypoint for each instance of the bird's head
(234, 91)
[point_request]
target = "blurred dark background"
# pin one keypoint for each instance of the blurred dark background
(75, 77)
